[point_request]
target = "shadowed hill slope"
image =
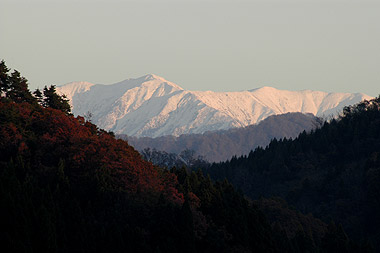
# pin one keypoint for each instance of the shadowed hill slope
(333, 172)
(222, 145)
(67, 186)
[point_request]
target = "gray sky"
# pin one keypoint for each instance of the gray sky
(220, 45)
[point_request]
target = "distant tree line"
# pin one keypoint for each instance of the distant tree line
(185, 158)
(68, 186)
(332, 172)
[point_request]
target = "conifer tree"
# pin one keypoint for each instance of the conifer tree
(4, 79)
(55, 101)
(39, 96)
(18, 89)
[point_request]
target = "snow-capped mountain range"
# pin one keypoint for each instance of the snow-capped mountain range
(152, 106)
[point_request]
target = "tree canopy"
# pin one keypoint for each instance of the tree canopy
(68, 186)
(14, 87)
(332, 172)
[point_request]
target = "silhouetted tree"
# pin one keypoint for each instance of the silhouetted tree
(4, 79)
(39, 96)
(55, 101)
(18, 89)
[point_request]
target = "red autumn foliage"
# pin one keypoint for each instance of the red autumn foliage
(85, 149)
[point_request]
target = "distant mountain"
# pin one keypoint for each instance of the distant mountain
(151, 106)
(221, 145)
(68, 186)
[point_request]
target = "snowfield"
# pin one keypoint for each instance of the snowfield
(152, 106)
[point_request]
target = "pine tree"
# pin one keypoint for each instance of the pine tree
(55, 101)
(4, 79)
(39, 96)
(18, 89)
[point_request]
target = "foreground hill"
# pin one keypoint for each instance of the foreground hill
(151, 106)
(67, 186)
(333, 172)
(221, 145)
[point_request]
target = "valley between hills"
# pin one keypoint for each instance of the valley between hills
(291, 171)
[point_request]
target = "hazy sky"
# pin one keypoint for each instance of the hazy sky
(200, 45)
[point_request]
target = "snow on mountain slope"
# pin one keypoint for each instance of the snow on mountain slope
(152, 106)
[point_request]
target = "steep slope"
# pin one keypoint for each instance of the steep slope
(333, 172)
(151, 106)
(66, 186)
(221, 145)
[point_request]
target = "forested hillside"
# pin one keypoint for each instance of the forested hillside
(216, 146)
(333, 172)
(67, 186)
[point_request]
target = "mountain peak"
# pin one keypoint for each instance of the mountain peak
(264, 88)
(152, 79)
(149, 77)
(152, 106)
(78, 84)
(72, 88)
